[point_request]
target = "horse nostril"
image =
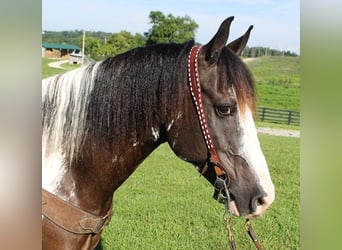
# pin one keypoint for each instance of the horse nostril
(260, 201)
(257, 201)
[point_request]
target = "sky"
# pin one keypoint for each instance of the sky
(276, 23)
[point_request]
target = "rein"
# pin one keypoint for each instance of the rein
(222, 175)
(71, 218)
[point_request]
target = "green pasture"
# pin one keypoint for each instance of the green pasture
(48, 71)
(276, 70)
(165, 204)
(277, 81)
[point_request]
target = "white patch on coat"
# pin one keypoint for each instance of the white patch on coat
(53, 170)
(155, 133)
(169, 126)
(115, 159)
(251, 151)
(179, 115)
(174, 142)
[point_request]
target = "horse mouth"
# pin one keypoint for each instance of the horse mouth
(232, 205)
(256, 211)
(233, 208)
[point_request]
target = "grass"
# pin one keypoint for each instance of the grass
(277, 81)
(278, 97)
(48, 71)
(166, 205)
(276, 70)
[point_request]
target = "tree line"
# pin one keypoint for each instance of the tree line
(264, 51)
(164, 29)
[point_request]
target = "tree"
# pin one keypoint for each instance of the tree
(124, 41)
(111, 44)
(166, 29)
(93, 48)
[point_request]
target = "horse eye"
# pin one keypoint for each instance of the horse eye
(225, 110)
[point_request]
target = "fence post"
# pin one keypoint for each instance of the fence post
(278, 115)
(289, 120)
(263, 114)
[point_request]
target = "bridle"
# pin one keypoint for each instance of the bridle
(195, 89)
(222, 182)
(213, 160)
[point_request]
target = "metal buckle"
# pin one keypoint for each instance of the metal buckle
(221, 193)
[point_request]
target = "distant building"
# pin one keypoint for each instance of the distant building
(55, 50)
(75, 58)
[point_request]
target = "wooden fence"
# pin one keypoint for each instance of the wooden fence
(289, 117)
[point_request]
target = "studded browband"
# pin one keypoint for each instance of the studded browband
(195, 89)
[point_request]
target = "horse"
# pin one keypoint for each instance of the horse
(100, 121)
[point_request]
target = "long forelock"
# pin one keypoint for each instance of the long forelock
(241, 79)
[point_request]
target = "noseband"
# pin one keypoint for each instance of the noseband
(222, 182)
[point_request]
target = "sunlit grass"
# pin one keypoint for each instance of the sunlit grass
(278, 97)
(49, 71)
(166, 205)
(276, 70)
(277, 81)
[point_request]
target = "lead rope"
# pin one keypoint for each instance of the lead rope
(252, 234)
(249, 228)
(228, 219)
(224, 197)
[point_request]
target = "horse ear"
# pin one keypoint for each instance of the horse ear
(217, 43)
(239, 44)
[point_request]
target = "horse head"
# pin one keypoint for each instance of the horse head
(228, 104)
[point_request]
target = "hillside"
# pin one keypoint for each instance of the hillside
(277, 81)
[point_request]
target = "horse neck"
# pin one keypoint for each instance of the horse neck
(127, 134)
